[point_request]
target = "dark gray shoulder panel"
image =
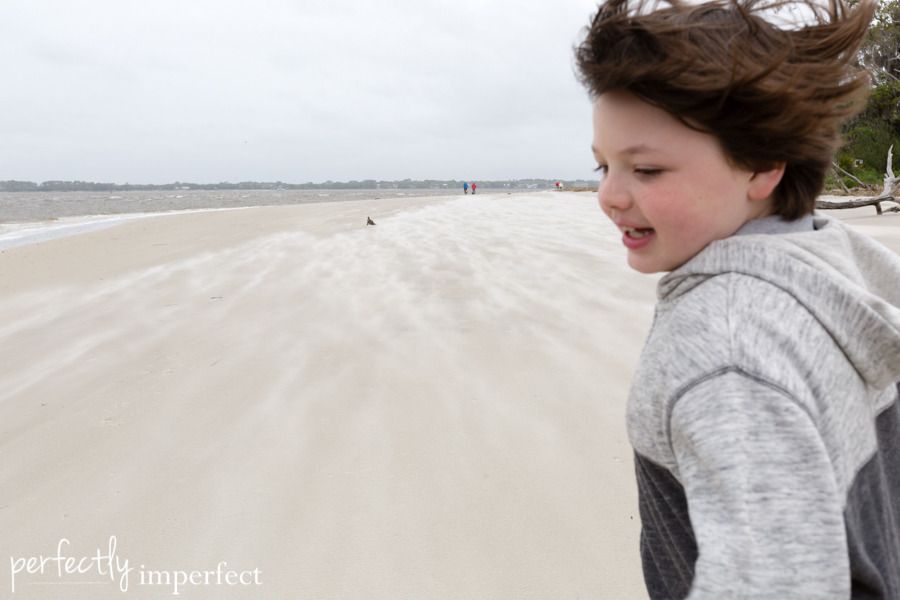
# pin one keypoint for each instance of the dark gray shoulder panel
(668, 546)
(872, 515)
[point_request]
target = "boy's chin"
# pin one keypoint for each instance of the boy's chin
(650, 265)
(643, 266)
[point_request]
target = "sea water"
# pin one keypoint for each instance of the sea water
(28, 217)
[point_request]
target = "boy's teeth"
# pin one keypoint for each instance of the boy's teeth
(637, 233)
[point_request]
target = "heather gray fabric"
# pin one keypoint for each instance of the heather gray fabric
(765, 419)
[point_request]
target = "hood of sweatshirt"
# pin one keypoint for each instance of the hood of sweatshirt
(848, 282)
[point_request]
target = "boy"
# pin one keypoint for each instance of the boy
(764, 412)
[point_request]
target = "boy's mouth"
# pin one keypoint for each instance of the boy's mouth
(635, 233)
(636, 238)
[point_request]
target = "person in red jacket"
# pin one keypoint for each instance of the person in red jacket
(474, 185)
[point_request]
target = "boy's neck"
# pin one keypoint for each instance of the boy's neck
(774, 224)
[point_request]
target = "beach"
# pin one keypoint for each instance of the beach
(431, 407)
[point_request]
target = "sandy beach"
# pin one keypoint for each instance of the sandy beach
(430, 408)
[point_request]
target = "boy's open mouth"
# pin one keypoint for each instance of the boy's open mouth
(637, 234)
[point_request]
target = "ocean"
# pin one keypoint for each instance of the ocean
(28, 217)
(31, 207)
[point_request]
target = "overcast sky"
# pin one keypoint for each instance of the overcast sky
(152, 91)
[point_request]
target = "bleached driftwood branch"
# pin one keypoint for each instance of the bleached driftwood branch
(890, 180)
(850, 175)
(858, 202)
(890, 192)
(839, 179)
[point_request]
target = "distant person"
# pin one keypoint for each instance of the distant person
(466, 187)
(474, 185)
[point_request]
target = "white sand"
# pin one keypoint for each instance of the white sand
(429, 408)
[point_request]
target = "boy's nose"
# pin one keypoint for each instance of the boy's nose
(612, 195)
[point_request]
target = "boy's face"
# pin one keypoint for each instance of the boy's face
(669, 188)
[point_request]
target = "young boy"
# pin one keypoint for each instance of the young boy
(764, 412)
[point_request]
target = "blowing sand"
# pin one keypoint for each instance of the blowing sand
(429, 408)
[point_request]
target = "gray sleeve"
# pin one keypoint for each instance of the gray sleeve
(761, 492)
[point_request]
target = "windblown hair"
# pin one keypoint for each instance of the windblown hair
(769, 94)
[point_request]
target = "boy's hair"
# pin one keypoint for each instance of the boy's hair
(768, 94)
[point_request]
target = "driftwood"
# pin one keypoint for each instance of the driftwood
(838, 169)
(839, 179)
(858, 202)
(890, 192)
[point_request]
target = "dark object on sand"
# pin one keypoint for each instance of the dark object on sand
(369, 221)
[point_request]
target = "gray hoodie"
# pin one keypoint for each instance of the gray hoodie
(765, 419)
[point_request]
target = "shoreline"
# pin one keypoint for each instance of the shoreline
(17, 208)
(125, 244)
(33, 232)
(21, 232)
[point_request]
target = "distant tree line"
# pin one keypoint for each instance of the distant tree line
(366, 184)
(869, 135)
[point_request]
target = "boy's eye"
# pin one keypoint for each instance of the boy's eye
(647, 171)
(601, 169)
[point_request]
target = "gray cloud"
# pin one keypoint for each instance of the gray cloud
(127, 90)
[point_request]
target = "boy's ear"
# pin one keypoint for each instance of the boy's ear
(763, 183)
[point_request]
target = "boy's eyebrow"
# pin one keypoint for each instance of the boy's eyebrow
(636, 149)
